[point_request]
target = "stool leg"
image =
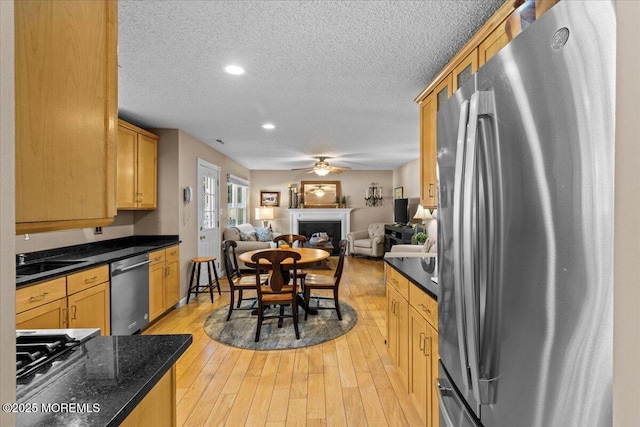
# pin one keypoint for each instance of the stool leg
(193, 272)
(210, 280)
(215, 273)
(197, 284)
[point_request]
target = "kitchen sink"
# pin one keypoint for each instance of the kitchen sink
(41, 267)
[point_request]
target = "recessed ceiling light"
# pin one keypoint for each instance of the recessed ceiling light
(236, 70)
(268, 126)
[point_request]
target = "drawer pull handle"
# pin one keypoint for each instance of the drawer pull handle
(422, 342)
(39, 297)
(424, 308)
(91, 279)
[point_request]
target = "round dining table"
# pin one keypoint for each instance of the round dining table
(308, 256)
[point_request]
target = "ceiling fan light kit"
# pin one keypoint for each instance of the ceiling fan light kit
(323, 168)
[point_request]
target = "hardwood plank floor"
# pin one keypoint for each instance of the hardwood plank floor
(350, 381)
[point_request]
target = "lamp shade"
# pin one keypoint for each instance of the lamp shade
(264, 213)
(422, 213)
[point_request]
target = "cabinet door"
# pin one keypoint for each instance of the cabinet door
(52, 315)
(66, 110)
(418, 376)
(403, 339)
(443, 91)
(464, 70)
(431, 347)
(392, 323)
(90, 309)
(172, 283)
(495, 41)
(127, 168)
(156, 290)
(147, 172)
(428, 147)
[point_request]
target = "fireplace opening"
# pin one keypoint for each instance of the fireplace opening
(332, 228)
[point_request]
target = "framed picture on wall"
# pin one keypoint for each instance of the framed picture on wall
(270, 198)
(398, 193)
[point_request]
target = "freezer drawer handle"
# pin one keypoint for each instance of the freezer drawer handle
(444, 392)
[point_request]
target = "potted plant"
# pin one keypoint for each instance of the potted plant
(337, 201)
(421, 237)
(344, 201)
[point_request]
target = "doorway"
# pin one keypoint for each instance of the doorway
(208, 213)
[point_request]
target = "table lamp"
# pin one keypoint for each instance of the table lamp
(264, 214)
(422, 214)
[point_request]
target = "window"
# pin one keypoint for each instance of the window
(237, 190)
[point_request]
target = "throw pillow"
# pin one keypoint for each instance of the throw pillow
(264, 234)
(248, 237)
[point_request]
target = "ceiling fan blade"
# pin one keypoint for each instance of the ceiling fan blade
(300, 169)
(341, 168)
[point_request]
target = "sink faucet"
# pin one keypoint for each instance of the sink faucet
(21, 259)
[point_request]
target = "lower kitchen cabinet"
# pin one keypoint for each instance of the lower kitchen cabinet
(90, 308)
(52, 315)
(79, 300)
(158, 408)
(164, 280)
(412, 340)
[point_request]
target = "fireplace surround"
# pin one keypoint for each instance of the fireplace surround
(320, 215)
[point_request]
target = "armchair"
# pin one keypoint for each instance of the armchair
(369, 242)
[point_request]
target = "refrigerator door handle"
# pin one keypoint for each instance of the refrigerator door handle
(481, 104)
(458, 260)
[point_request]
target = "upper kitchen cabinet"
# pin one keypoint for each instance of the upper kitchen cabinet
(428, 184)
(66, 110)
(137, 168)
(495, 34)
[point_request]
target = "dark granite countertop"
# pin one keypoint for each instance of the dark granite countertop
(419, 271)
(106, 378)
(91, 255)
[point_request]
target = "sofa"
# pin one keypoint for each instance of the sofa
(429, 248)
(249, 238)
(369, 242)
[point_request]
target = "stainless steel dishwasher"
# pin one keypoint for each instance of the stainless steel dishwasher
(129, 295)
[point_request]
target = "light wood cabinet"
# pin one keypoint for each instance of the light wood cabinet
(495, 41)
(412, 341)
(164, 280)
(464, 70)
(79, 300)
(137, 169)
(66, 110)
(158, 407)
(428, 148)
(502, 27)
(52, 315)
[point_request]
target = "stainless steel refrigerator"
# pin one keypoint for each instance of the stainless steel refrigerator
(525, 180)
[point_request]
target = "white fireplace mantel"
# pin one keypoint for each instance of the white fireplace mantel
(326, 214)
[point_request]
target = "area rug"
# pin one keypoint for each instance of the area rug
(240, 331)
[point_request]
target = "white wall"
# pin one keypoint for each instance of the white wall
(407, 176)
(7, 213)
(352, 183)
(626, 321)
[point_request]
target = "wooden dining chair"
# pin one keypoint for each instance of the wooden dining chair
(238, 282)
(322, 282)
(291, 240)
(282, 286)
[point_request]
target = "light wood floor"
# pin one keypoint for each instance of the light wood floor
(349, 381)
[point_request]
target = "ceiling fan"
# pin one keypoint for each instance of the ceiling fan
(322, 167)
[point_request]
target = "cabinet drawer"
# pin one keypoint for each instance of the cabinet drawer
(157, 256)
(424, 304)
(40, 294)
(398, 282)
(85, 279)
(172, 253)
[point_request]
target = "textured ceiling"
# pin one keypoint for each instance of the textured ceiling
(337, 78)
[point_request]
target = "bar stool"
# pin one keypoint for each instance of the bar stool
(194, 282)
